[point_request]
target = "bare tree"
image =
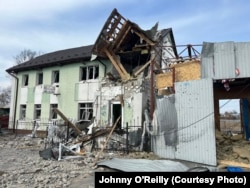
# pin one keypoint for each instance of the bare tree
(25, 55)
(5, 95)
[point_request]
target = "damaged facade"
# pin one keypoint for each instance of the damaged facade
(137, 77)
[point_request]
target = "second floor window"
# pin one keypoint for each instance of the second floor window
(39, 78)
(37, 111)
(25, 80)
(55, 77)
(89, 73)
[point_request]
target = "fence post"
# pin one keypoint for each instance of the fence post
(127, 138)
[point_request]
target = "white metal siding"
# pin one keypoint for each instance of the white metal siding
(242, 52)
(195, 114)
(224, 61)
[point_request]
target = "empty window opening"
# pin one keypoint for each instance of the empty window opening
(22, 112)
(55, 77)
(37, 111)
(25, 80)
(85, 111)
(53, 114)
(39, 78)
(89, 73)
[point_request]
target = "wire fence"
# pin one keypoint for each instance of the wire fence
(126, 139)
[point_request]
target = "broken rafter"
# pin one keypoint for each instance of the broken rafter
(112, 130)
(142, 68)
(117, 64)
(126, 28)
(144, 38)
(78, 131)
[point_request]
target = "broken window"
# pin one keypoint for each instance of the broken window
(55, 77)
(37, 111)
(53, 114)
(22, 112)
(85, 111)
(39, 78)
(25, 80)
(89, 73)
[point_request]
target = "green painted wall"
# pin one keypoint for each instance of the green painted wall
(69, 77)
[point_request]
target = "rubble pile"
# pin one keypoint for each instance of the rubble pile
(232, 148)
(22, 166)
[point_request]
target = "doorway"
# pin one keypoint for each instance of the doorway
(116, 110)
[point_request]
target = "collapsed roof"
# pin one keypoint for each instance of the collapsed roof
(125, 44)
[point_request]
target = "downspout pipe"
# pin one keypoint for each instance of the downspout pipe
(15, 104)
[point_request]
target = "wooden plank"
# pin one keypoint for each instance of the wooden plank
(142, 68)
(182, 72)
(117, 64)
(78, 131)
(104, 145)
(224, 163)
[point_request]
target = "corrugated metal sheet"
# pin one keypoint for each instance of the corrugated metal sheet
(242, 56)
(184, 123)
(224, 62)
(196, 130)
(144, 165)
(165, 121)
(221, 60)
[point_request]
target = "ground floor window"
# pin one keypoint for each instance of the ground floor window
(23, 112)
(85, 111)
(53, 114)
(37, 111)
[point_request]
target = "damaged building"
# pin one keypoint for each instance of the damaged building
(135, 80)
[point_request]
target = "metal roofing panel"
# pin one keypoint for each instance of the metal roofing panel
(242, 56)
(224, 62)
(207, 67)
(144, 165)
(196, 138)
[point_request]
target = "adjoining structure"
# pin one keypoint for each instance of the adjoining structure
(138, 77)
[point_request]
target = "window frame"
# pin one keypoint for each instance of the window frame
(53, 114)
(39, 78)
(89, 73)
(55, 77)
(85, 112)
(37, 111)
(25, 80)
(23, 108)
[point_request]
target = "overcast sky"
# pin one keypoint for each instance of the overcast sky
(49, 25)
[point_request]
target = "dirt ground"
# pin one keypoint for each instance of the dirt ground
(21, 166)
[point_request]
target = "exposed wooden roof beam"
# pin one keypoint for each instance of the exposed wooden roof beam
(117, 64)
